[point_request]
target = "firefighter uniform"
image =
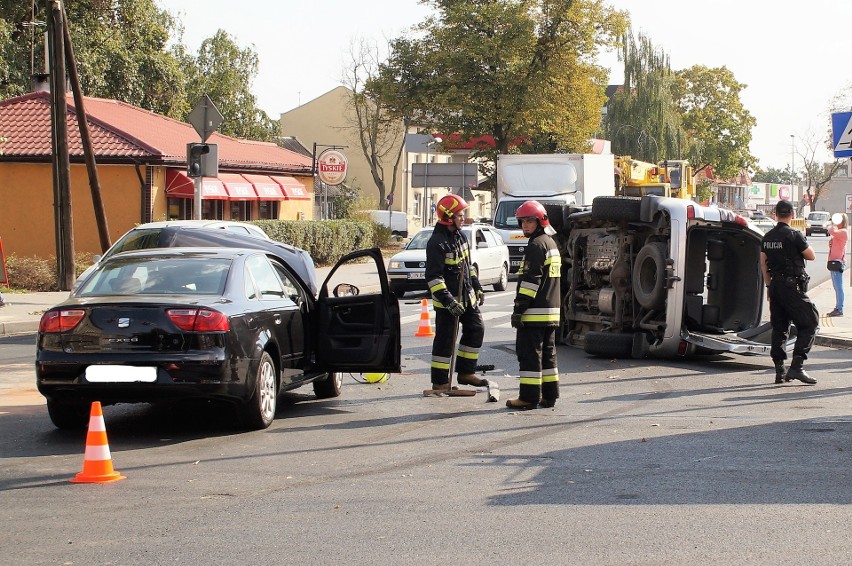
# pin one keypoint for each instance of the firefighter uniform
(788, 301)
(448, 266)
(537, 307)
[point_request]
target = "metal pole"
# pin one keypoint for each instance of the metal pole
(427, 206)
(792, 166)
(198, 194)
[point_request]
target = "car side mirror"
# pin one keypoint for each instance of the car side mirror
(345, 290)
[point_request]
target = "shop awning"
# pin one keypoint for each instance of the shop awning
(292, 189)
(178, 185)
(237, 187)
(265, 187)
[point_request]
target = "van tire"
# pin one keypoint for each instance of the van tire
(617, 208)
(609, 344)
(649, 276)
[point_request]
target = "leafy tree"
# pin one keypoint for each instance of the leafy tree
(643, 119)
(772, 175)
(224, 72)
(511, 69)
(379, 133)
(817, 174)
(718, 124)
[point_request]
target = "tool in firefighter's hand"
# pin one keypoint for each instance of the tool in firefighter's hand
(450, 392)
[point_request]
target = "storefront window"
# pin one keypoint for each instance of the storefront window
(267, 209)
(180, 209)
(240, 210)
(212, 209)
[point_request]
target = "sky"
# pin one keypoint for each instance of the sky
(794, 59)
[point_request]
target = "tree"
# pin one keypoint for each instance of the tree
(379, 134)
(642, 118)
(224, 72)
(817, 174)
(511, 69)
(715, 119)
(772, 175)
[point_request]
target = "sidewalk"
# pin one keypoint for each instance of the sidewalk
(22, 313)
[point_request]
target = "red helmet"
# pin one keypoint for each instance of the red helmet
(448, 207)
(533, 209)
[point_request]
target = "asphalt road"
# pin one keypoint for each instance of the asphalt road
(641, 462)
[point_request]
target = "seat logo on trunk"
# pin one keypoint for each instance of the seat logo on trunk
(123, 322)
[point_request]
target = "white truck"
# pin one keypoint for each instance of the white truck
(551, 179)
(396, 220)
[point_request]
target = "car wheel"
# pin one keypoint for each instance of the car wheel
(504, 279)
(397, 290)
(649, 276)
(259, 411)
(68, 415)
(329, 387)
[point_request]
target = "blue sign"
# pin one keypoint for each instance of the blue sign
(841, 138)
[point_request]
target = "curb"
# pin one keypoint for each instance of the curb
(833, 342)
(15, 328)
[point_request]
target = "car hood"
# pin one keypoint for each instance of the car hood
(410, 255)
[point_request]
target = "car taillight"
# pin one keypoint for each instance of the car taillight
(60, 320)
(199, 320)
(690, 211)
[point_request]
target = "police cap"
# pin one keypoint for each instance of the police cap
(783, 208)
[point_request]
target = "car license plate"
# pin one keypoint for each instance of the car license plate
(515, 263)
(417, 275)
(120, 374)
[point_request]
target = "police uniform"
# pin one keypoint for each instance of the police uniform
(537, 304)
(448, 264)
(788, 301)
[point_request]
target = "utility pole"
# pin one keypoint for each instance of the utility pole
(85, 138)
(64, 228)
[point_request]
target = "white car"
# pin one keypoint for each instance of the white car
(489, 253)
(817, 221)
(148, 235)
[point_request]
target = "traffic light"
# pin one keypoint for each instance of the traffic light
(194, 160)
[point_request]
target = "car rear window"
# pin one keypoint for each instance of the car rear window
(173, 275)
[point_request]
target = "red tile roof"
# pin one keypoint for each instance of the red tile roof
(122, 133)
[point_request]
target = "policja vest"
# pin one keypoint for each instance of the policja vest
(783, 247)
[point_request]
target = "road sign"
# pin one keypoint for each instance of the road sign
(841, 127)
(205, 118)
(437, 175)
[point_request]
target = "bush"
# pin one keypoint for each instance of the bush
(326, 240)
(38, 273)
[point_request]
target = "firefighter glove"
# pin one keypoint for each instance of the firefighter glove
(456, 308)
(516, 321)
(480, 297)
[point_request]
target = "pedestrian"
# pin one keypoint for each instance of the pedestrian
(837, 258)
(782, 261)
(456, 297)
(536, 311)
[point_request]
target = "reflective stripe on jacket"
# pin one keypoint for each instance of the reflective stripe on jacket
(538, 298)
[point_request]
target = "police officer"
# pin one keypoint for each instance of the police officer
(456, 297)
(536, 311)
(782, 260)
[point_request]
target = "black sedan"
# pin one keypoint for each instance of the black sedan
(232, 324)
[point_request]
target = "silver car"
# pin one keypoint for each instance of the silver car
(489, 253)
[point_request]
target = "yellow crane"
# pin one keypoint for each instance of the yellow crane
(668, 178)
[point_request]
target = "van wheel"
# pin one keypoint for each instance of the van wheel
(504, 279)
(617, 208)
(609, 344)
(649, 276)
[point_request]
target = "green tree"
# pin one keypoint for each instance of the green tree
(224, 72)
(719, 126)
(512, 69)
(772, 175)
(642, 119)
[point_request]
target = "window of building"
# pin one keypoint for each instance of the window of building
(240, 210)
(268, 209)
(180, 209)
(212, 209)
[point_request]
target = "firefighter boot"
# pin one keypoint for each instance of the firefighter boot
(780, 371)
(472, 379)
(797, 372)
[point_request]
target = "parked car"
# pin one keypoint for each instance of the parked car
(202, 233)
(237, 325)
(489, 253)
(817, 222)
(762, 223)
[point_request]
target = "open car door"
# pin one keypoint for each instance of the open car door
(358, 317)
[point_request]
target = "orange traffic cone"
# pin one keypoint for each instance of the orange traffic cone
(425, 328)
(97, 463)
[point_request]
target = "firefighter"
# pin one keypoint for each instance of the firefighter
(782, 261)
(456, 297)
(536, 311)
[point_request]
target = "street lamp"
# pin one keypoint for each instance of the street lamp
(427, 191)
